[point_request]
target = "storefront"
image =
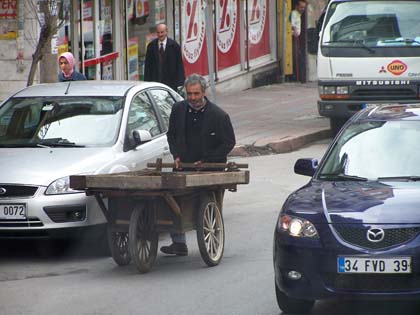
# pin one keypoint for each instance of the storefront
(109, 37)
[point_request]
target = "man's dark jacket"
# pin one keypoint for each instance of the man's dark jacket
(218, 137)
(173, 73)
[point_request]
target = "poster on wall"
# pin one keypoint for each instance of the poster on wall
(159, 11)
(130, 9)
(227, 33)
(258, 31)
(8, 19)
(133, 59)
(194, 49)
(142, 8)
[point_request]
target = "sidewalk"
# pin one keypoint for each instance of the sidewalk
(274, 119)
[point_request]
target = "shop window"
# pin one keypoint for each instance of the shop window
(142, 16)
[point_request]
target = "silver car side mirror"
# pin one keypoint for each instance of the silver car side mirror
(141, 136)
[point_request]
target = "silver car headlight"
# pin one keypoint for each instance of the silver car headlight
(61, 186)
(297, 227)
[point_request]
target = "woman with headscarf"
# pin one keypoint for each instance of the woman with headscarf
(67, 73)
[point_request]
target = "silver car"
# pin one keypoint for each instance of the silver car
(51, 131)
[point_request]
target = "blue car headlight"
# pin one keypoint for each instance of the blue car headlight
(297, 227)
(61, 186)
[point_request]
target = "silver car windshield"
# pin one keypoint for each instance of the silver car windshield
(373, 24)
(63, 122)
(375, 149)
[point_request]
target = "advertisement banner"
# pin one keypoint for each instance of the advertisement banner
(8, 19)
(159, 11)
(133, 59)
(142, 8)
(227, 33)
(194, 49)
(258, 31)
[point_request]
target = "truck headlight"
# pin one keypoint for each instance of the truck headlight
(331, 92)
(61, 186)
(327, 89)
(297, 227)
(342, 90)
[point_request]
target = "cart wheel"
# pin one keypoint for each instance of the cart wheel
(210, 231)
(143, 238)
(118, 245)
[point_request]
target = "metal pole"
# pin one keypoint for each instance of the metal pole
(284, 33)
(209, 42)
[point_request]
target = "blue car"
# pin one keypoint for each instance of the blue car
(353, 230)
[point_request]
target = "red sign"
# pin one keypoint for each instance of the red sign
(227, 33)
(258, 28)
(194, 48)
(397, 67)
(8, 9)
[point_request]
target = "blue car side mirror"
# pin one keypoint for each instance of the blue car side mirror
(306, 167)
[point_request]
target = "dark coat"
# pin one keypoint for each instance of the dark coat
(218, 137)
(75, 76)
(173, 73)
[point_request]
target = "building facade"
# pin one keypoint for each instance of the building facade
(228, 41)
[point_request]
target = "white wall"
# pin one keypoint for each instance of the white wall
(13, 77)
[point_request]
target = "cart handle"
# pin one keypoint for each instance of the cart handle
(230, 166)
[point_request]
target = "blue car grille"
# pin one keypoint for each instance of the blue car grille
(393, 237)
(372, 283)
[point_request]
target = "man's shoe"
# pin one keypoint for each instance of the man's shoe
(179, 249)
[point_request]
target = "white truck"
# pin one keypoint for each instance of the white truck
(368, 54)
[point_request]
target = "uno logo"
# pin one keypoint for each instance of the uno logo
(227, 19)
(257, 13)
(397, 67)
(194, 29)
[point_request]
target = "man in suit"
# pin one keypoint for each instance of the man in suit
(199, 132)
(164, 60)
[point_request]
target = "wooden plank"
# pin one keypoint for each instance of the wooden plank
(78, 182)
(172, 204)
(209, 179)
(166, 180)
(123, 181)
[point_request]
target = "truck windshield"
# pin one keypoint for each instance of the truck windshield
(373, 23)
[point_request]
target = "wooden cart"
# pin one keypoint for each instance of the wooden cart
(139, 205)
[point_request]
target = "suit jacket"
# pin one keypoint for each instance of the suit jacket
(218, 137)
(173, 73)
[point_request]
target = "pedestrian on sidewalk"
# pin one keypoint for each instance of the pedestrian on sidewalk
(199, 132)
(298, 55)
(67, 71)
(163, 61)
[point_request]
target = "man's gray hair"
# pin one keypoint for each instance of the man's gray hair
(194, 79)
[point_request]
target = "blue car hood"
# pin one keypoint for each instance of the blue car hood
(359, 202)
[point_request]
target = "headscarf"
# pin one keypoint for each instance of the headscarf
(70, 59)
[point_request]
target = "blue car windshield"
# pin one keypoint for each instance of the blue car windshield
(60, 121)
(376, 149)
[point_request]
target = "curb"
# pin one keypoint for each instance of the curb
(283, 145)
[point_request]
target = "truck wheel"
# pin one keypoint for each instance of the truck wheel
(336, 124)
